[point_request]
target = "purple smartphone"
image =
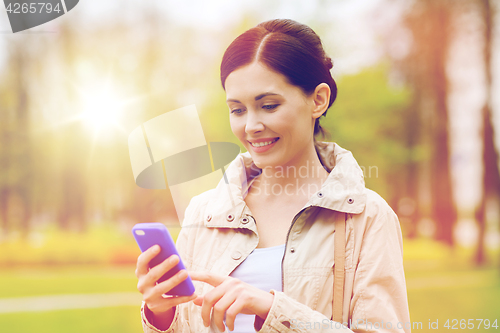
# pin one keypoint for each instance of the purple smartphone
(149, 234)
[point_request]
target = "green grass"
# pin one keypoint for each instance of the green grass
(441, 285)
(472, 294)
(433, 295)
(70, 280)
(106, 320)
(66, 280)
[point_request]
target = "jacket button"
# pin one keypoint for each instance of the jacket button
(236, 255)
(245, 220)
(320, 194)
(350, 201)
(209, 217)
(292, 250)
(230, 217)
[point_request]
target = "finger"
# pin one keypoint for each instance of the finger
(232, 311)
(167, 285)
(144, 259)
(198, 301)
(209, 300)
(157, 272)
(209, 278)
(206, 309)
(219, 310)
(176, 300)
(163, 304)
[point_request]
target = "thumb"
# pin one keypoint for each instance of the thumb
(198, 300)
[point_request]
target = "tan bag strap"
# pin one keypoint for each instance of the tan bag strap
(338, 275)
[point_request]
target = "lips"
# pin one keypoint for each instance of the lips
(262, 145)
(262, 142)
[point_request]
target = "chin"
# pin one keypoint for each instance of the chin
(262, 163)
(258, 161)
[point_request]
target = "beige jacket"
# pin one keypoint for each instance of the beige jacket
(218, 233)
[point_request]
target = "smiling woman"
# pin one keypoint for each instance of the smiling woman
(290, 235)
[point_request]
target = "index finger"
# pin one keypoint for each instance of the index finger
(206, 277)
(144, 259)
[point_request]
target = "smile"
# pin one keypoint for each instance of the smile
(260, 144)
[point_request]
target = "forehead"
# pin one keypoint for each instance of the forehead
(255, 79)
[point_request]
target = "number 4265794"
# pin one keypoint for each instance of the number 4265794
(470, 324)
(39, 7)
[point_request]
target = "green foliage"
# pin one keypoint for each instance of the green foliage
(99, 245)
(368, 118)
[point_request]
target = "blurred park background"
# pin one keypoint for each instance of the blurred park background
(418, 105)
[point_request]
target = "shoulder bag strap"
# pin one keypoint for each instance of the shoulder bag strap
(338, 275)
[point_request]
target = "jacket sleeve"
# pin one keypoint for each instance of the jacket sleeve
(379, 301)
(287, 316)
(181, 321)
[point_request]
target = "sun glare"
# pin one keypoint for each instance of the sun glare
(102, 110)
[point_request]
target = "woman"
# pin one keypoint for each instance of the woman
(260, 247)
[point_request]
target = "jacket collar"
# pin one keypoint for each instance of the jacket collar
(342, 191)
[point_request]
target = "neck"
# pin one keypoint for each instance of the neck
(302, 177)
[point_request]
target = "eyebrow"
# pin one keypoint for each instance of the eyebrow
(258, 97)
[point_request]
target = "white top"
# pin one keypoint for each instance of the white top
(261, 269)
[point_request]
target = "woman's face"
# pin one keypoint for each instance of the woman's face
(272, 118)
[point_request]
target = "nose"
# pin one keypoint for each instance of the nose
(253, 123)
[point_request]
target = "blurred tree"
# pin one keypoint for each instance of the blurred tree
(429, 23)
(491, 172)
(17, 167)
(367, 119)
(73, 178)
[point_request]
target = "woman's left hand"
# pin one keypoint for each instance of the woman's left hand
(230, 297)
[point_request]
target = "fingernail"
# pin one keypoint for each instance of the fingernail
(156, 248)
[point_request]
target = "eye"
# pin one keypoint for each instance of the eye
(237, 111)
(270, 106)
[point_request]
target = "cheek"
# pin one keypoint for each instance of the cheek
(237, 126)
(284, 125)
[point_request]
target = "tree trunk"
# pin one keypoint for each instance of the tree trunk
(443, 207)
(491, 173)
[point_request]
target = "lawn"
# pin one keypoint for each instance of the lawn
(106, 320)
(455, 295)
(21, 282)
(441, 284)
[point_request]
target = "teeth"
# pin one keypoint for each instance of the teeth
(260, 144)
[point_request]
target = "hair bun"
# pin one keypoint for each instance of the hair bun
(328, 63)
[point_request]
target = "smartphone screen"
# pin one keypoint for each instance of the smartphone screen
(150, 234)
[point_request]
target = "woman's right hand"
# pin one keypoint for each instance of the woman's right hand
(162, 309)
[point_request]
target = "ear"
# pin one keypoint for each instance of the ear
(321, 98)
